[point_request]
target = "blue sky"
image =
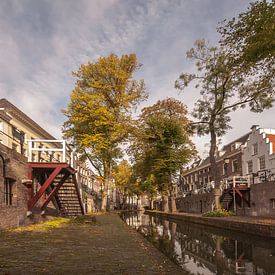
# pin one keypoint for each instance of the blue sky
(43, 41)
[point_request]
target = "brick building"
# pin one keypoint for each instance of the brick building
(13, 194)
(246, 172)
(196, 186)
(196, 179)
(54, 176)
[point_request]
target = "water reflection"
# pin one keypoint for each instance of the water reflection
(204, 250)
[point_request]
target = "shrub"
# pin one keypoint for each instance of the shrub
(219, 213)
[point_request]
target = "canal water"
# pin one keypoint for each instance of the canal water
(205, 250)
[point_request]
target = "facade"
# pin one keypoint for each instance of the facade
(24, 147)
(246, 172)
(13, 194)
(16, 128)
(259, 155)
(196, 179)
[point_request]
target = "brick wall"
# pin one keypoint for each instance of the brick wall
(16, 169)
(200, 203)
(261, 196)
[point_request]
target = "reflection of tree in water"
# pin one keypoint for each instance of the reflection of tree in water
(209, 249)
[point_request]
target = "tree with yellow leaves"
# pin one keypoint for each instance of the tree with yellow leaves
(99, 113)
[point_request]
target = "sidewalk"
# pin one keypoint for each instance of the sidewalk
(107, 246)
(260, 226)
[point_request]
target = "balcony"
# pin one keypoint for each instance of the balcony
(52, 151)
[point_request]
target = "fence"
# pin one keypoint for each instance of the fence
(42, 150)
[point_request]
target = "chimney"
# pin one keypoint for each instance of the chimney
(255, 127)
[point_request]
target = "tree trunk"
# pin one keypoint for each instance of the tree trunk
(104, 202)
(213, 165)
(106, 183)
(173, 206)
(165, 206)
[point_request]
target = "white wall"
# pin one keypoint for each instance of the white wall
(258, 136)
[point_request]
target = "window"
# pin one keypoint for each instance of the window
(8, 191)
(249, 167)
(255, 149)
(272, 203)
(234, 165)
(262, 162)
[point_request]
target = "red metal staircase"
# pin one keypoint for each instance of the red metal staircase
(56, 183)
(236, 193)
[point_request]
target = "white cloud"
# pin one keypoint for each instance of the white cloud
(41, 42)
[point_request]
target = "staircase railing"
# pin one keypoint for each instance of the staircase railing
(44, 150)
(235, 181)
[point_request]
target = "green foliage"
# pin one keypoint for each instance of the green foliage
(219, 213)
(251, 34)
(162, 145)
(224, 86)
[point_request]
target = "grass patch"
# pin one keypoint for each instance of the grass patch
(156, 211)
(219, 213)
(46, 226)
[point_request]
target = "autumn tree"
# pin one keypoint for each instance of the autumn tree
(99, 112)
(224, 87)
(122, 174)
(165, 145)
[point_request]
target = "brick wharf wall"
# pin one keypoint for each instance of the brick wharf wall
(200, 203)
(262, 197)
(16, 168)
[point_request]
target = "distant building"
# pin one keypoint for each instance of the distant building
(197, 177)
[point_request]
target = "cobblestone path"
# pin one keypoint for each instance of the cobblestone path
(107, 246)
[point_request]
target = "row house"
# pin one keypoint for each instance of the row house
(246, 173)
(37, 171)
(259, 164)
(259, 155)
(197, 178)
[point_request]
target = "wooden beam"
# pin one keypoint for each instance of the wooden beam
(43, 188)
(53, 192)
(51, 165)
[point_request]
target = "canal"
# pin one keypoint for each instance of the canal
(205, 250)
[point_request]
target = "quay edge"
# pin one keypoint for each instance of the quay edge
(243, 224)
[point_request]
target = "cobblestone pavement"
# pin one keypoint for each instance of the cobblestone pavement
(107, 246)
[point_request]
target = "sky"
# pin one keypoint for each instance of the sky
(43, 41)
